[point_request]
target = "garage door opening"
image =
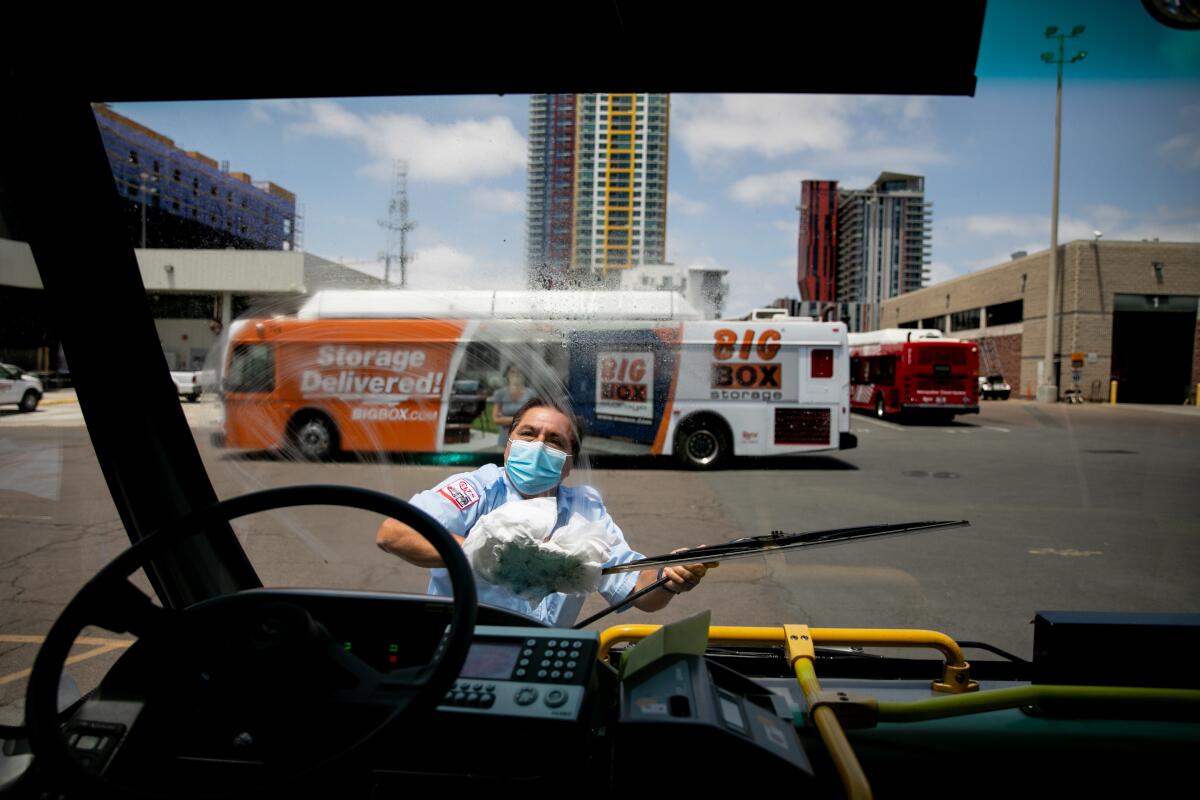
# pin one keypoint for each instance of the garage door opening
(1154, 337)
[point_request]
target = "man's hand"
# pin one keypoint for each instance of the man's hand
(684, 578)
(680, 579)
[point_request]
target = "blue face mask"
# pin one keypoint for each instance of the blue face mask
(533, 467)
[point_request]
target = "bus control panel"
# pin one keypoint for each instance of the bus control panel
(533, 673)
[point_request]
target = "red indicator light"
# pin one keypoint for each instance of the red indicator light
(822, 363)
(392, 659)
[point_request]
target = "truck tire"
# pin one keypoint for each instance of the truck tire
(314, 438)
(702, 445)
(193, 397)
(29, 402)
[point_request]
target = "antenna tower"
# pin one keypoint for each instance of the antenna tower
(398, 226)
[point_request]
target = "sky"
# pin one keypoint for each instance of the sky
(1130, 159)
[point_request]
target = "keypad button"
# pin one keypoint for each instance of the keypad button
(491, 687)
(574, 654)
(561, 654)
(459, 697)
(487, 701)
(520, 673)
(478, 687)
(568, 675)
(526, 696)
(541, 673)
(524, 662)
(526, 652)
(571, 665)
(552, 643)
(545, 662)
(556, 674)
(530, 642)
(558, 664)
(472, 698)
(556, 698)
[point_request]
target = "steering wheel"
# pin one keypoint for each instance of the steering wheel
(269, 649)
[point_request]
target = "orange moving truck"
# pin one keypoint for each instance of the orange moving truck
(377, 371)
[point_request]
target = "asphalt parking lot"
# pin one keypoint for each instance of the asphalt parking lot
(1071, 507)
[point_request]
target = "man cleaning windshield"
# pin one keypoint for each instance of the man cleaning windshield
(537, 458)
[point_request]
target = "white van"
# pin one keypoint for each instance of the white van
(19, 387)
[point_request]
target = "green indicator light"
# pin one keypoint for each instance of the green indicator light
(393, 648)
(346, 645)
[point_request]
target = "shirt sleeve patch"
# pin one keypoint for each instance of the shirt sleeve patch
(461, 493)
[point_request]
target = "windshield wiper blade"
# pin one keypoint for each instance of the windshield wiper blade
(779, 540)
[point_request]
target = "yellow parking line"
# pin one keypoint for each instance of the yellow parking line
(75, 659)
(18, 638)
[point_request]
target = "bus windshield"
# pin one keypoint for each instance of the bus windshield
(750, 312)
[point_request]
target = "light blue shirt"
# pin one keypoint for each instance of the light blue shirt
(458, 507)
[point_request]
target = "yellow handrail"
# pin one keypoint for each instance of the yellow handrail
(955, 673)
(849, 770)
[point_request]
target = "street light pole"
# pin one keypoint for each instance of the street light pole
(1047, 391)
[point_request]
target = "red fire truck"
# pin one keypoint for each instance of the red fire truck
(901, 371)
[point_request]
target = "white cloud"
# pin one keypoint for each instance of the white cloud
(265, 111)
(832, 129)
(757, 286)
(770, 125)
(1019, 226)
(770, 188)
(1182, 150)
(501, 200)
(685, 205)
(442, 267)
(456, 152)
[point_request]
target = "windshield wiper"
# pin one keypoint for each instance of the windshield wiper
(748, 546)
(779, 540)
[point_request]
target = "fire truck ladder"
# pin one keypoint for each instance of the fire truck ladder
(991, 359)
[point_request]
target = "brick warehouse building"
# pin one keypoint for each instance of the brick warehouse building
(1129, 308)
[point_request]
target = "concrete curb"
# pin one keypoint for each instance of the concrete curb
(59, 402)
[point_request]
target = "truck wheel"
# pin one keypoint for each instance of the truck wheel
(702, 446)
(193, 397)
(880, 411)
(30, 401)
(314, 439)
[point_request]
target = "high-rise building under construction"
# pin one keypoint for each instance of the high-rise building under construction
(597, 195)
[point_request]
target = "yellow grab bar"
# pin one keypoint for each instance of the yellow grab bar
(849, 770)
(955, 674)
(798, 649)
